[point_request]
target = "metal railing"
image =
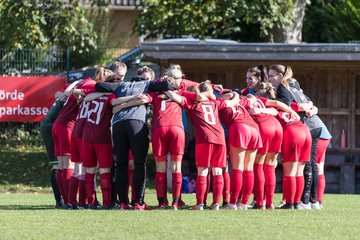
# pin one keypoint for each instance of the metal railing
(110, 3)
(31, 62)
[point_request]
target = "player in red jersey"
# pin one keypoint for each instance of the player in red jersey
(97, 148)
(271, 132)
(167, 136)
(271, 135)
(62, 130)
(244, 140)
(174, 71)
(295, 153)
(77, 181)
(210, 142)
(323, 142)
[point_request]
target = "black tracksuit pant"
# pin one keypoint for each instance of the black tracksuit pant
(311, 173)
(130, 135)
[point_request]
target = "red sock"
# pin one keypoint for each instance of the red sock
(236, 185)
(59, 181)
(290, 189)
(226, 191)
(283, 188)
(176, 185)
(165, 189)
(321, 187)
(218, 187)
(160, 184)
(248, 185)
(300, 182)
(270, 183)
(200, 189)
(130, 183)
(82, 193)
(89, 187)
(259, 184)
(105, 184)
(67, 173)
(207, 187)
(73, 189)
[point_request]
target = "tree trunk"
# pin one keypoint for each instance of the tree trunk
(291, 34)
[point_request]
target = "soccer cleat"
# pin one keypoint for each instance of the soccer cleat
(270, 207)
(259, 207)
(68, 206)
(321, 206)
(199, 207)
(181, 203)
(59, 204)
(143, 207)
(282, 203)
(123, 206)
(252, 204)
(315, 206)
(287, 206)
(161, 206)
(175, 206)
(224, 204)
(230, 206)
(92, 207)
(166, 203)
(215, 207)
(303, 206)
(104, 207)
(97, 203)
(115, 205)
(131, 204)
(242, 207)
(77, 207)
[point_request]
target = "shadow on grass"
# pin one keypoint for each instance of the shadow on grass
(26, 207)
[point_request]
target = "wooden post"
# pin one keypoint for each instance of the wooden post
(352, 109)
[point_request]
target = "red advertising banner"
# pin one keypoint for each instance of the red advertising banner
(28, 99)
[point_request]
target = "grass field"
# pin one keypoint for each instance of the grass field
(32, 216)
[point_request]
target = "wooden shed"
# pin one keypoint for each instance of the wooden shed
(328, 73)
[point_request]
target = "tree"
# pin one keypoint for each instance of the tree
(271, 20)
(332, 21)
(41, 24)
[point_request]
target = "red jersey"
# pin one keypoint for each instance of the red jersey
(205, 118)
(80, 120)
(237, 114)
(184, 84)
(98, 122)
(287, 119)
(261, 103)
(165, 112)
(69, 112)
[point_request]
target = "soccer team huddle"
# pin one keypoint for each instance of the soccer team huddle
(102, 124)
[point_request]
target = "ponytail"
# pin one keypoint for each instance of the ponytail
(263, 73)
(286, 73)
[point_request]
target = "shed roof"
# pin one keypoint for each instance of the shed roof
(231, 50)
